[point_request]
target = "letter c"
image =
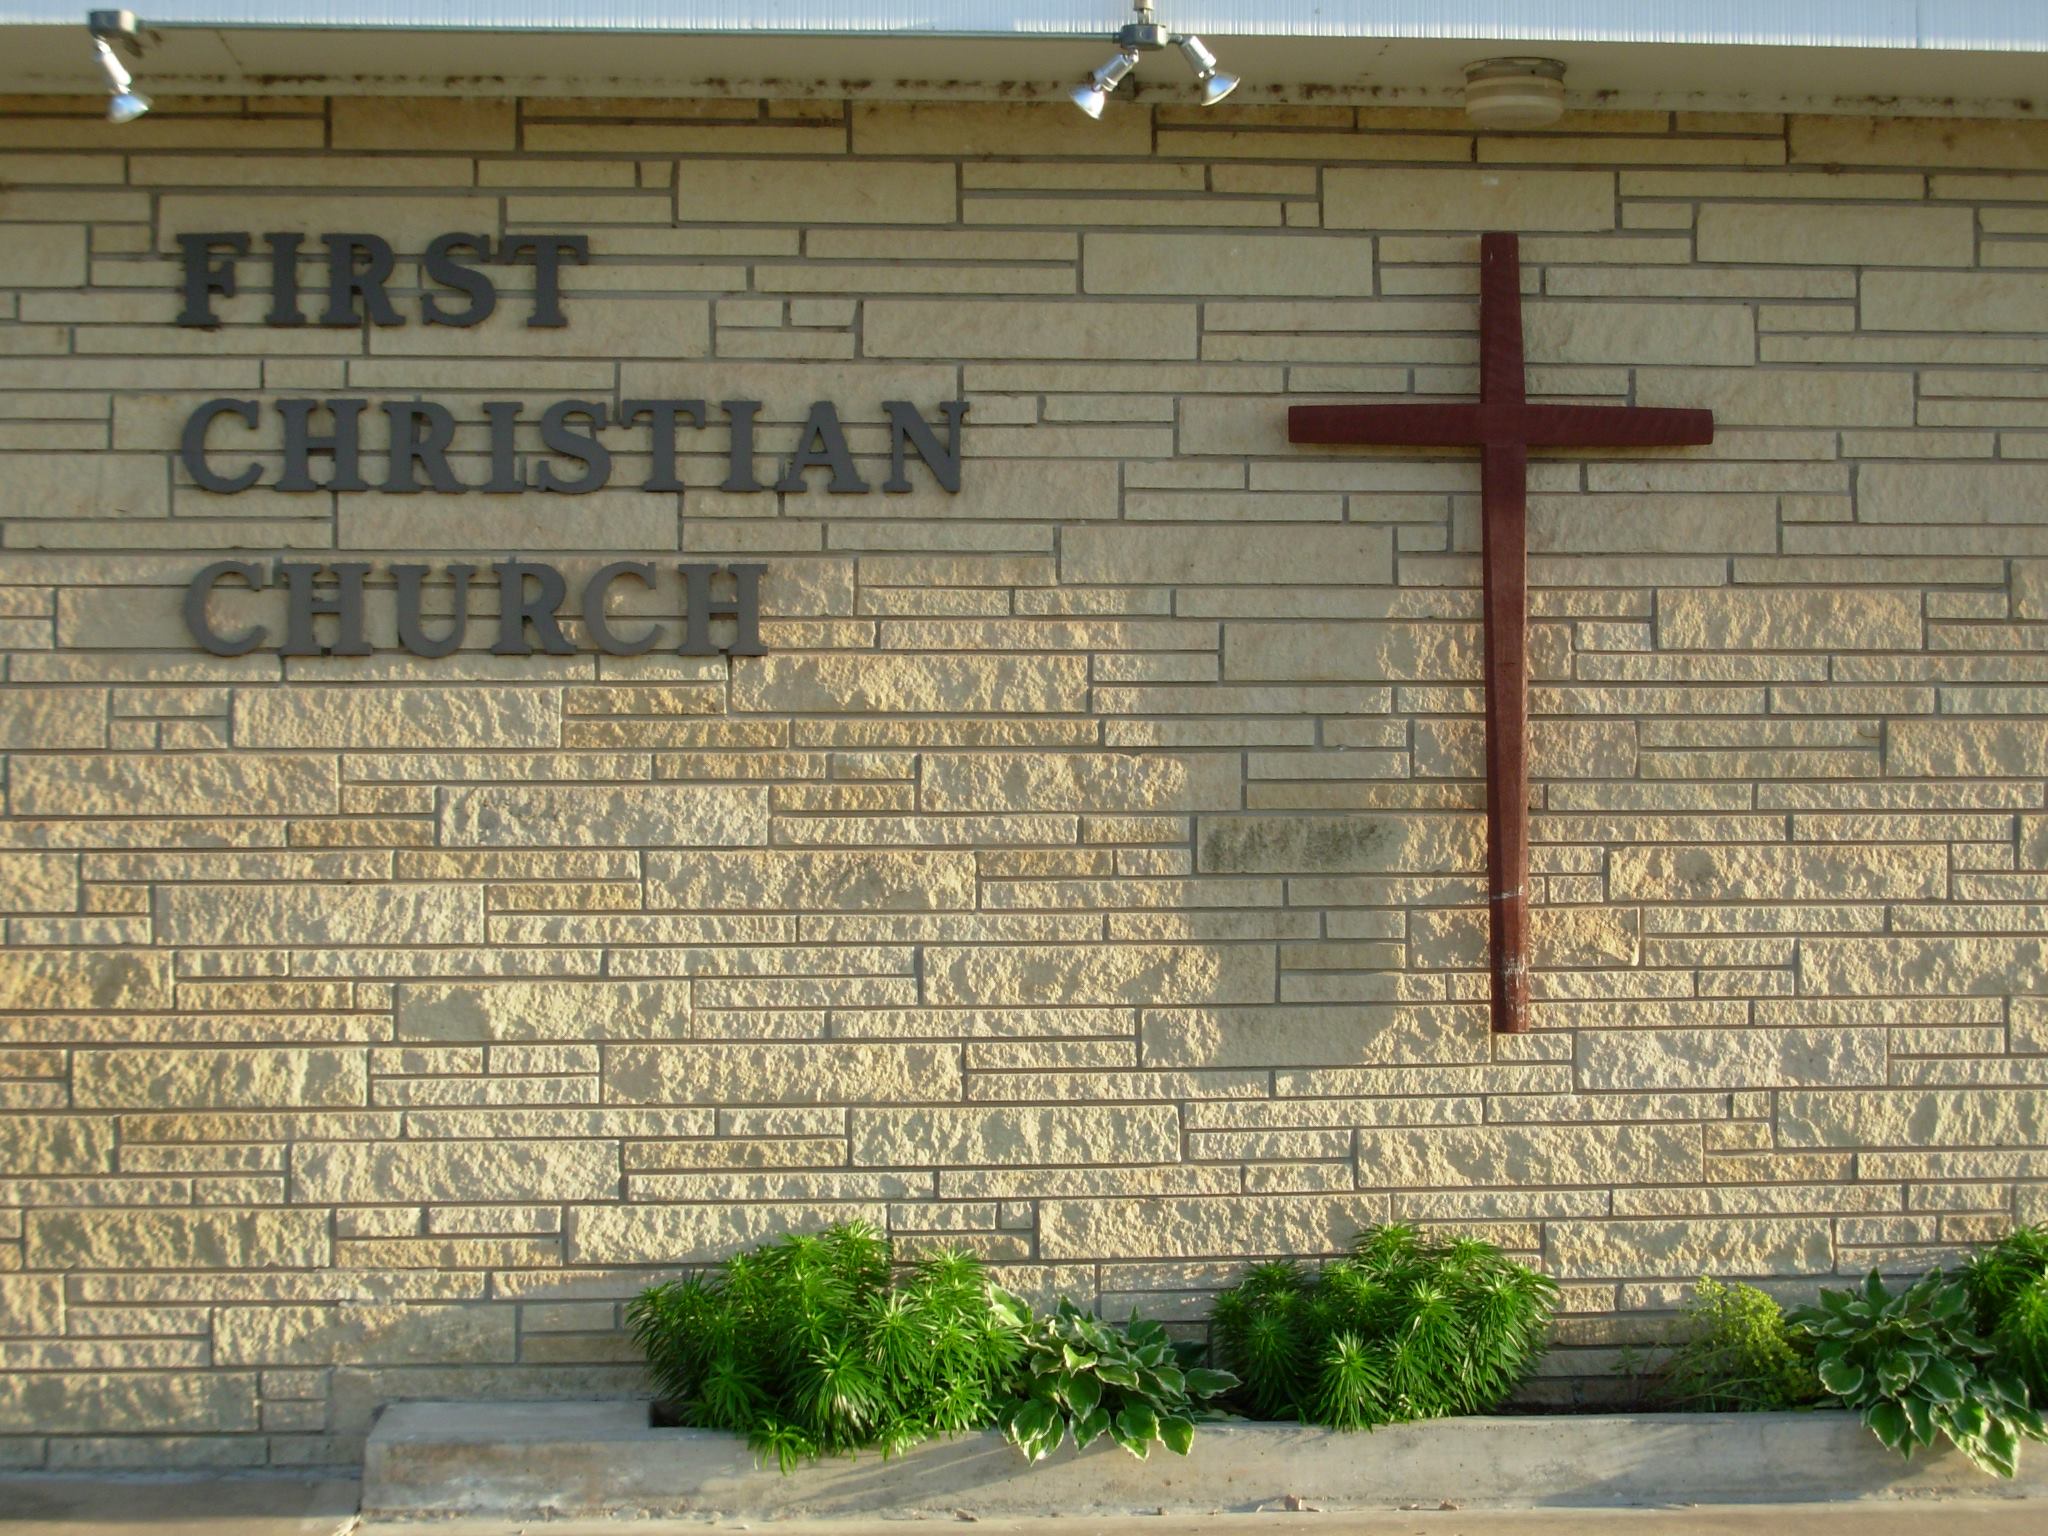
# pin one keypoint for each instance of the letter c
(192, 447)
(201, 588)
(594, 593)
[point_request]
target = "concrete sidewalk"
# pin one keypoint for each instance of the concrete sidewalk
(297, 1506)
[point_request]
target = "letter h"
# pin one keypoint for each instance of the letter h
(744, 610)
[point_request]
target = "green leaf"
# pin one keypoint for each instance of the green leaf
(1083, 1393)
(1887, 1420)
(1117, 1374)
(1033, 1422)
(1202, 1382)
(1941, 1381)
(1140, 1448)
(1842, 1377)
(1894, 1372)
(1090, 1427)
(1076, 1360)
(1177, 1433)
(1139, 1420)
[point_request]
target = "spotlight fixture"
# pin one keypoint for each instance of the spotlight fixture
(124, 102)
(1146, 36)
(1514, 93)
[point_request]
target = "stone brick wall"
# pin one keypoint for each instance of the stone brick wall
(1091, 873)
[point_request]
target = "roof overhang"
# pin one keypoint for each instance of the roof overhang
(1936, 56)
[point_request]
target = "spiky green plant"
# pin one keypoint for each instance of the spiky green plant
(1398, 1329)
(815, 1345)
(2008, 1286)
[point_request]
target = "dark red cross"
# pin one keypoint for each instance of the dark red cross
(1503, 426)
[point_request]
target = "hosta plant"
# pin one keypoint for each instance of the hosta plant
(1089, 1379)
(1913, 1364)
(1738, 1355)
(2008, 1284)
(1399, 1329)
(817, 1344)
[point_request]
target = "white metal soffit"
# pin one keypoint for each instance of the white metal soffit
(1856, 55)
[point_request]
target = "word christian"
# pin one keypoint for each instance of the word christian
(359, 270)
(324, 613)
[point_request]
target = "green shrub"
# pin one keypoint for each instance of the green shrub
(1739, 1355)
(2008, 1284)
(1915, 1366)
(1091, 1379)
(1397, 1330)
(810, 1345)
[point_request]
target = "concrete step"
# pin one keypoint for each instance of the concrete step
(590, 1459)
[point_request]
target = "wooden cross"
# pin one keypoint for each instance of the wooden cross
(1503, 426)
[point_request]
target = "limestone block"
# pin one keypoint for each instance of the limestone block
(91, 979)
(1951, 493)
(1078, 781)
(1560, 938)
(1751, 872)
(42, 256)
(1466, 199)
(407, 222)
(543, 1010)
(604, 815)
(1021, 328)
(1736, 1248)
(1928, 1117)
(1163, 974)
(1225, 556)
(1933, 966)
(56, 1144)
(185, 784)
(1715, 335)
(394, 718)
(1558, 749)
(358, 1172)
(1837, 234)
(364, 1335)
(1951, 748)
(31, 1306)
(784, 191)
(1112, 1136)
(1309, 1035)
(263, 1078)
(38, 882)
(1787, 619)
(1730, 1058)
(911, 684)
(780, 1074)
(422, 122)
(1978, 144)
(1363, 844)
(114, 1238)
(1332, 651)
(823, 880)
(1463, 1156)
(1007, 129)
(53, 719)
(1954, 301)
(310, 915)
(1785, 397)
(699, 1234)
(181, 1403)
(1234, 1227)
(1211, 266)
(2030, 1024)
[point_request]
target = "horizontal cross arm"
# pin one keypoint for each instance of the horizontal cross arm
(1534, 426)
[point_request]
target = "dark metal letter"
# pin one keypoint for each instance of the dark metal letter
(192, 447)
(907, 426)
(412, 633)
(744, 610)
(594, 592)
(200, 588)
(557, 436)
(739, 474)
(305, 602)
(204, 277)
(443, 268)
(300, 444)
(547, 251)
(420, 434)
(516, 609)
(662, 418)
(503, 416)
(284, 280)
(345, 281)
(823, 446)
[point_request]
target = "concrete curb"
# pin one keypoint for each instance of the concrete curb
(531, 1460)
